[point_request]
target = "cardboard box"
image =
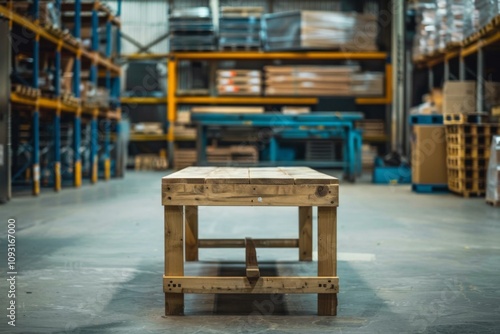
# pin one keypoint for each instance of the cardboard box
(459, 88)
(459, 104)
(429, 155)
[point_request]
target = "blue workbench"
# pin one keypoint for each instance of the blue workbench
(316, 125)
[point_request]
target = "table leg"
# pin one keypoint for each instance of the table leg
(191, 217)
(174, 256)
(305, 233)
(327, 256)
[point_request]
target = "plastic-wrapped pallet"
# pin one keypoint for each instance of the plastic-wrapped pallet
(487, 10)
(322, 30)
(493, 179)
(425, 37)
(191, 29)
(455, 17)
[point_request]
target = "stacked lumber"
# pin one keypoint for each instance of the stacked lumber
(368, 155)
(323, 80)
(184, 158)
(238, 82)
(493, 188)
(232, 154)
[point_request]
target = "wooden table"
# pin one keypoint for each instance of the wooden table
(184, 191)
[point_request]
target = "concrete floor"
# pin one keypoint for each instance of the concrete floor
(91, 261)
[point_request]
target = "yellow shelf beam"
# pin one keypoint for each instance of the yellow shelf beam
(372, 100)
(482, 43)
(145, 137)
(144, 100)
(43, 33)
(259, 100)
(279, 55)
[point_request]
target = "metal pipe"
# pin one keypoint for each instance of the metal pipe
(461, 68)
(479, 81)
(77, 30)
(95, 32)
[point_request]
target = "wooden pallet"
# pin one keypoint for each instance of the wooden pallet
(469, 174)
(473, 129)
(467, 188)
(468, 140)
(466, 118)
(184, 158)
(469, 164)
(467, 152)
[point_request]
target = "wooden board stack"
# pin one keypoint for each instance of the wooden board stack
(468, 138)
(184, 158)
(238, 82)
(493, 178)
(322, 81)
(232, 154)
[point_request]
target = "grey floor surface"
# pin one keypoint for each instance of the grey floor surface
(90, 260)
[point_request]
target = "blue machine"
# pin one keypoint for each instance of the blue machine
(317, 125)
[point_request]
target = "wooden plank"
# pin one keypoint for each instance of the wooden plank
(191, 231)
(189, 175)
(252, 266)
(251, 195)
(267, 285)
(229, 175)
(305, 233)
(306, 175)
(240, 243)
(269, 175)
(327, 256)
(174, 257)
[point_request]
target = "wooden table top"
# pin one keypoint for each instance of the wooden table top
(243, 175)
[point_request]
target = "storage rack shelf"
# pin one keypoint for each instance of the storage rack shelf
(92, 14)
(485, 40)
(173, 100)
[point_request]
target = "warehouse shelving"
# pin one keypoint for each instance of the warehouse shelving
(173, 100)
(484, 40)
(99, 66)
